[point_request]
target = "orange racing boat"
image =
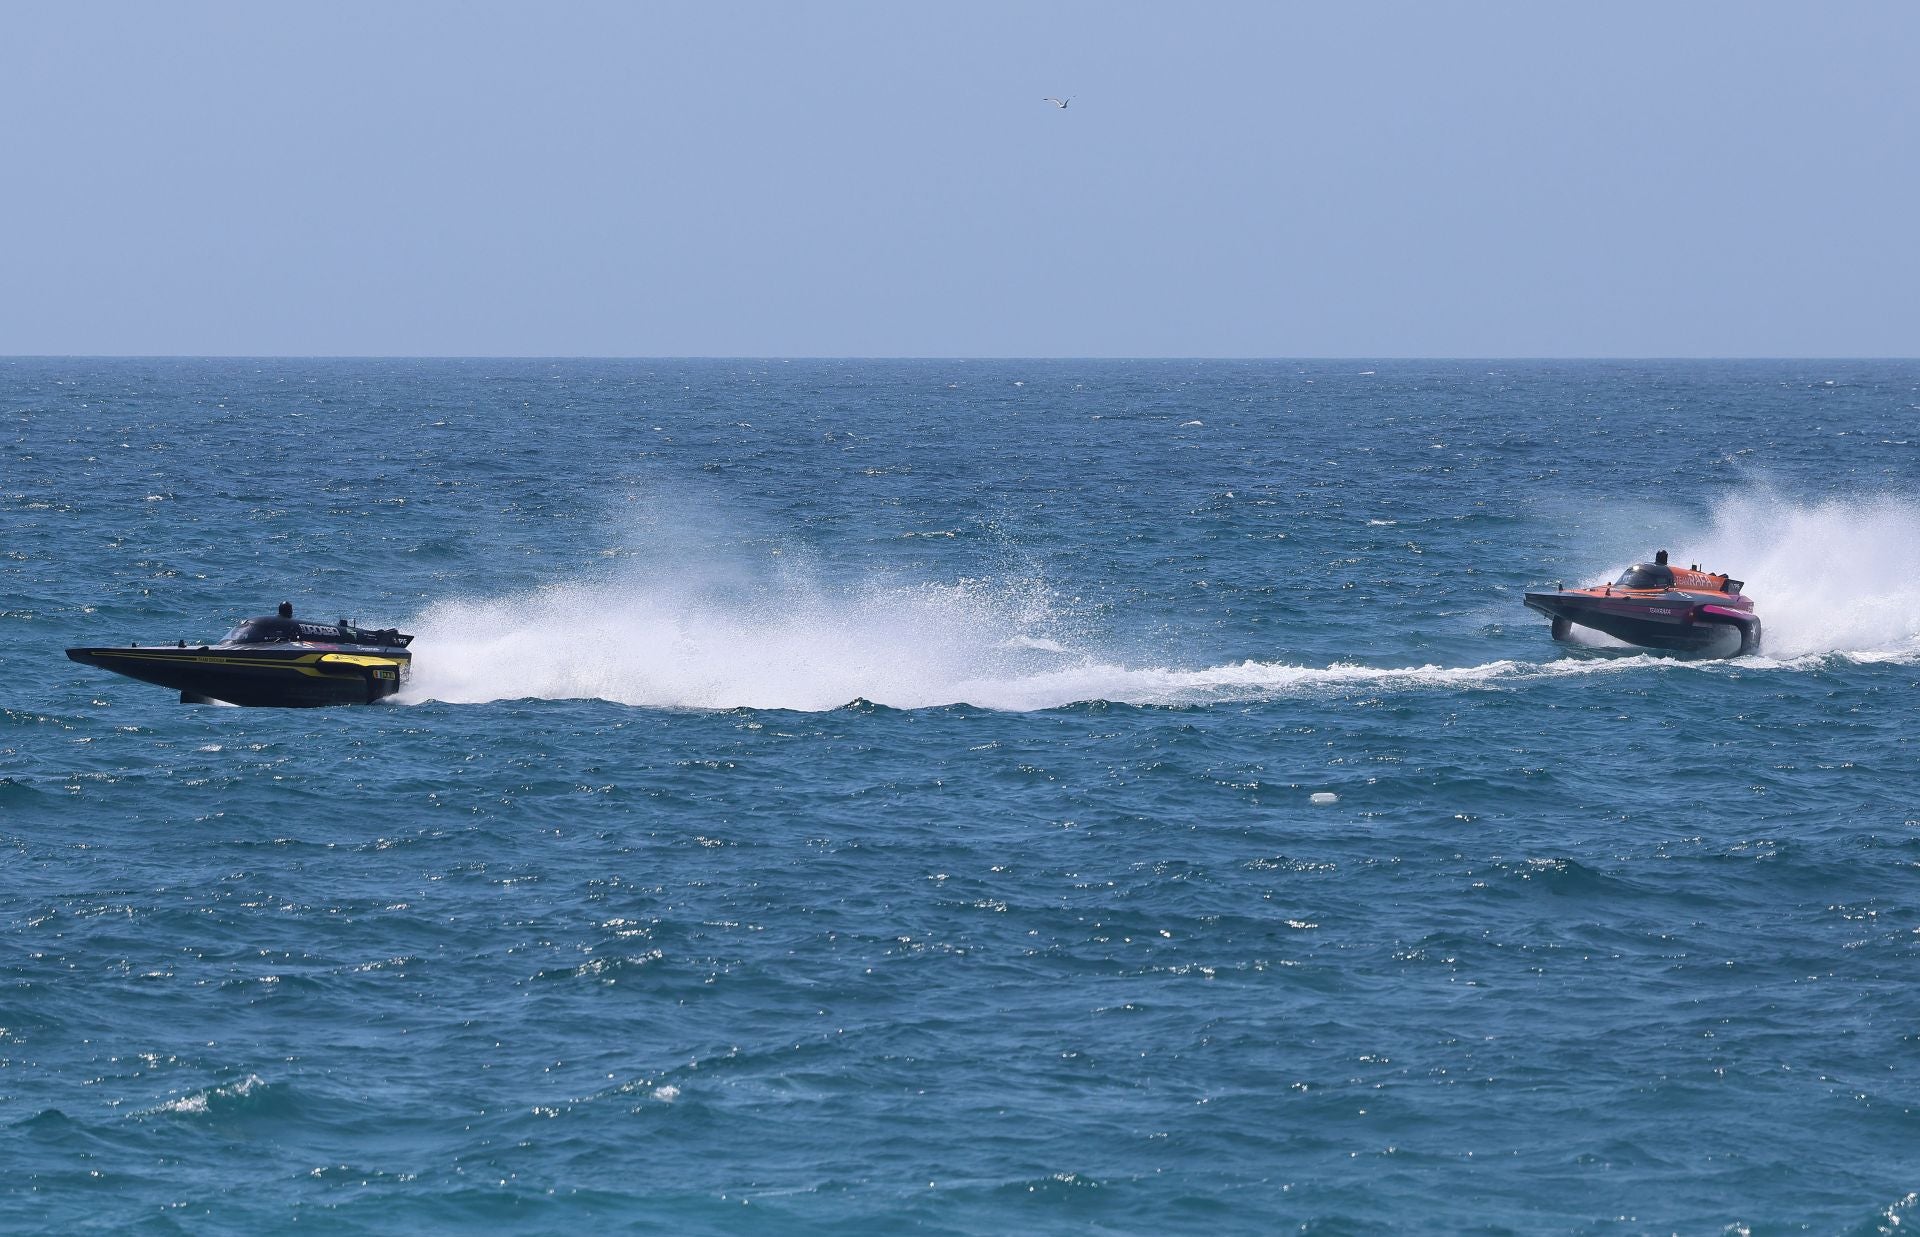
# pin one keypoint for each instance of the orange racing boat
(1659, 606)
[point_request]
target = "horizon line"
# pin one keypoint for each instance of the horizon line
(783, 357)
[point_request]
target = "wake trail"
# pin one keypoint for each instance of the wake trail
(1833, 581)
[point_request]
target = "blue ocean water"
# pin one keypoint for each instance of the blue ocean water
(849, 796)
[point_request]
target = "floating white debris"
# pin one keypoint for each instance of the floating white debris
(1324, 796)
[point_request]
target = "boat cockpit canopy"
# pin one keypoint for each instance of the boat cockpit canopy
(292, 631)
(1646, 575)
(264, 631)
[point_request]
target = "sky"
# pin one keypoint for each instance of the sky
(721, 178)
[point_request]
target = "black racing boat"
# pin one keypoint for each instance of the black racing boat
(275, 661)
(1659, 606)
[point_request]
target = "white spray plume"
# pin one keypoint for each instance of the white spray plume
(678, 642)
(1836, 576)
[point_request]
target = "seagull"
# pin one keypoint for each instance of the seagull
(1058, 102)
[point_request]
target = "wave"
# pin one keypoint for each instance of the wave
(249, 1093)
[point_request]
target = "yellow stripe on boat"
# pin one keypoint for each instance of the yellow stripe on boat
(314, 665)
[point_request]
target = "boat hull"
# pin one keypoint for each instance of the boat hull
(291, 676)
(1673, 622)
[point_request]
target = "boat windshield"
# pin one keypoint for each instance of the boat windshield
(263, 631)
(1646, 575)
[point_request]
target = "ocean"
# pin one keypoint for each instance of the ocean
(880, 797)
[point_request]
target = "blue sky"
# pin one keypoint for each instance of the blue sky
(884, 179)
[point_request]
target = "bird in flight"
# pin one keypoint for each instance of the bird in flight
(1058, 102)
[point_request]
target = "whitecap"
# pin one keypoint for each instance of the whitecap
(196, 1103)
